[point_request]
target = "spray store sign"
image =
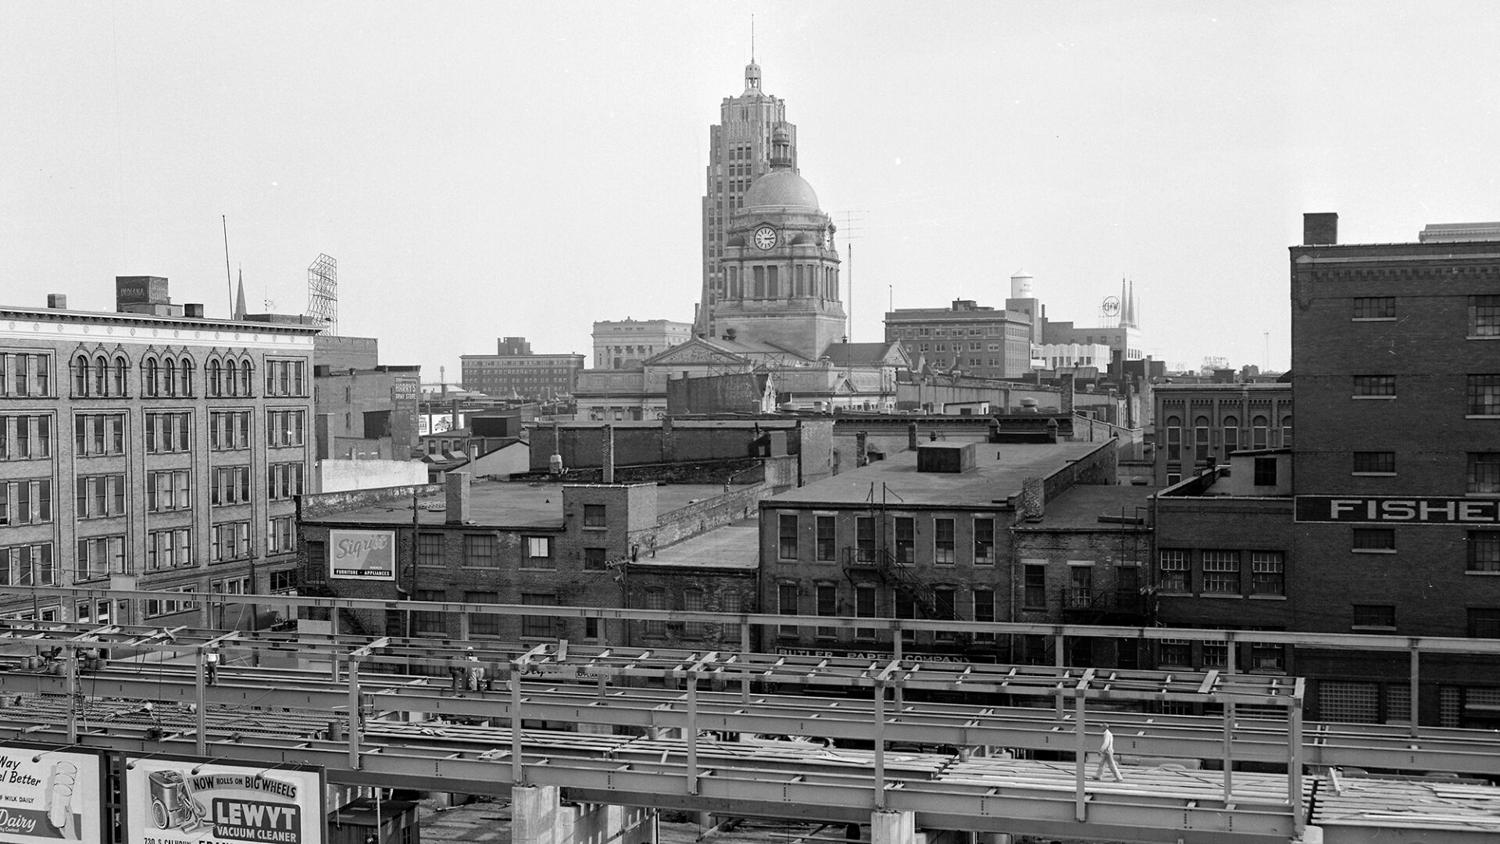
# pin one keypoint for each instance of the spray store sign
(180, 802)
(49, 796)
(362, 554)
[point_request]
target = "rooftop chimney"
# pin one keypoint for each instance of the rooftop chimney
(457, 488)
(607, 458)
(193, 309)
(1320, 228)
(57, 301)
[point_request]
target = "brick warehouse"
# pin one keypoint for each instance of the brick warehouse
(150, 448)
(1396, 362)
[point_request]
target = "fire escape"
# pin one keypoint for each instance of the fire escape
(871, 555)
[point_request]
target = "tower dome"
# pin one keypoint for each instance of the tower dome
(781, 189)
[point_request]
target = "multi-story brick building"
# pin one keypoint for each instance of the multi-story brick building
(510, 543)
(976, 339)
(151, 447)
(1396, 378)
(515, 371)
(924, 533)
(1200, 425)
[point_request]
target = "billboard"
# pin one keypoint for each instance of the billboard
(362, 554)
(180, 801)
(1390, 510)
(438, 423)
(50, 795)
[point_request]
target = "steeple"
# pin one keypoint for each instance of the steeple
(239, 298)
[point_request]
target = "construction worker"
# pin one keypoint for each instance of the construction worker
(211, 665)
(1107, 756)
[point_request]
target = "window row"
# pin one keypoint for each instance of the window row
(1481, 391)
(1203, 440)
(1186, 653)
(27, 565)
(938, 538)
(230, 377)
(25, 374)
(102, 376)
(483, 550)
(168, 432)
(802, 280)
(871, 601)
(25, 437)
(1483, 316)
(1221, 572)
(100, 434)
(170, 606)
(286, 377)
(690, 599)
(26, 502)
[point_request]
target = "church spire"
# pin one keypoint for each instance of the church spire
(239, 298)
(752, 70)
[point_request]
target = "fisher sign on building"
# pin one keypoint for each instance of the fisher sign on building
(179, 801)
(49, 795)
(1397, 510)
(362, 554)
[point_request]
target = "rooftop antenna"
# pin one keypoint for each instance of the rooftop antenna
(752, 38)
(228, 278)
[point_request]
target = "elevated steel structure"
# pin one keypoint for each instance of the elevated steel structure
(323, 292)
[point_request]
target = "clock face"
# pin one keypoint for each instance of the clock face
(765, 238)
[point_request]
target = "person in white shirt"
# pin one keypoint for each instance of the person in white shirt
(1107, 757)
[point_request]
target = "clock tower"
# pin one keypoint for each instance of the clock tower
(780, 265)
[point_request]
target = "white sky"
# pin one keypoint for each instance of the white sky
(504, 168)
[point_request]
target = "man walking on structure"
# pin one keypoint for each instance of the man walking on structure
(1107, 756)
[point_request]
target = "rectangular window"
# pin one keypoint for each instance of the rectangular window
(1484, 316)
(1175, 653)
(1374, 462)
(593, 516)
(1484, 551)
(1231, 439)
(228, 430)
(430, 622)
(1221, 572)
(984, 542)
(1200, 444)
(942, 542)
(25, 502)
(1484, 472)
(231, 541)
(787, 536)
(99, 496)
(1034, 591)
(1374, 616)
(97, 434)
(1174, 575)
(1267, 573)
(538, 626)
(483, 624)
(1265, 471)
(826, 543)
(285, 428)
(231, 485)
(1484, 395)
(595, 559)
(864, 539)
(480, 549)
(1374, 307)
(1374, 539)
(1174, 444)
(864, 607)
(98, 557)
(786, 604)
(984, 610)
(281, 534)
(1267, 656)
(1215, 654)
(170, 548)
(429, 549)
(283, 481)
(168, 491)
(1374, 386)
(1484, 623)
(906, 539)
(539, 553)
(828, 605)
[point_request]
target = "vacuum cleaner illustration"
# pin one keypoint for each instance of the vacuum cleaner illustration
(173, 804)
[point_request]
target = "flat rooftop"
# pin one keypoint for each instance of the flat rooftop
(1082, 505)
(999, 469)
(498, 504)
(734, 546)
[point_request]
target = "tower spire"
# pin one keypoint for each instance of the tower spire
(752, 38)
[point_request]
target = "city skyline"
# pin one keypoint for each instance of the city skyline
(514, 170)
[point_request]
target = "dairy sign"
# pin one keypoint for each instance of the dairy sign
(180, 801)
(48, 795)
(362, 554)
(1397, 510)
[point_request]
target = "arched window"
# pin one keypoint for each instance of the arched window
(1258, 432)
(101, 376)
(1174, 438)
(1231, 435)
(185, 378)
(121, 370)
(232, 378)
(245, 375)
(81, 375)
(215, 373)
(151, 373)
(169, 377)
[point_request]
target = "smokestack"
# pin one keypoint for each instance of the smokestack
(911, 436)
(1320, 228)
(861, 441)
(1033, 503)
(607, 456)
(1066, 400)
(457, 489)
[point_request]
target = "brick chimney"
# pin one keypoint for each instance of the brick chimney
(911, 436)
(456, 485)
(861, 443)
(1066, 399)
(607, 454)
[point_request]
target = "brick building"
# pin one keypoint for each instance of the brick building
(150, 448)
(514, 370)
(1396, 378)
(365, 409)
(492, 542)
(923, 533)
(977, 339)
(1199, 425)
